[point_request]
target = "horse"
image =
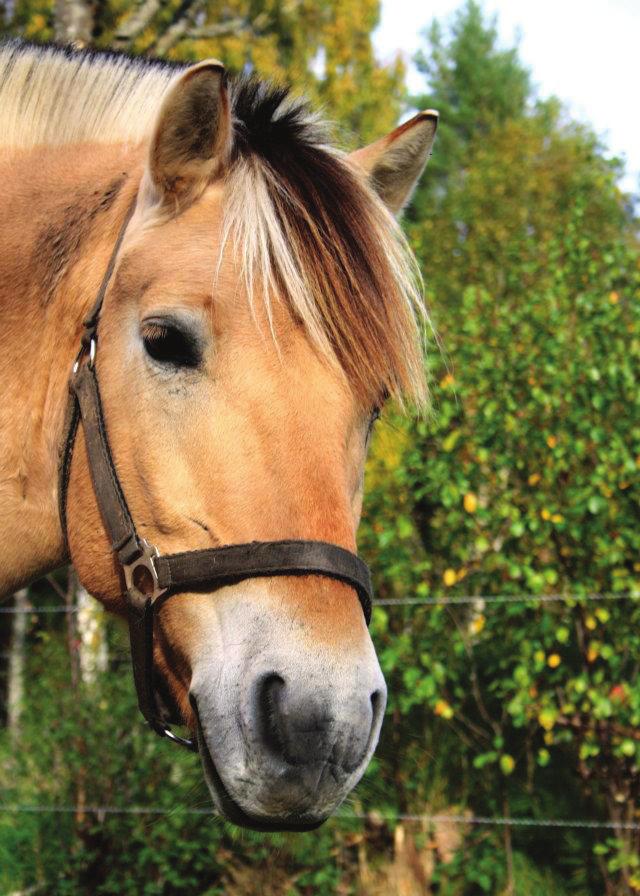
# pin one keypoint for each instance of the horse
(257, 306)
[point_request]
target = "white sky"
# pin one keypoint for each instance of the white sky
(585, 52)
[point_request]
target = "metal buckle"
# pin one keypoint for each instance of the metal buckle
(144, 563)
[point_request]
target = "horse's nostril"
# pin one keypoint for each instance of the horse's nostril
(269, 696)
(302, 725)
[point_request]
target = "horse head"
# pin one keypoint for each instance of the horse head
(262, 307)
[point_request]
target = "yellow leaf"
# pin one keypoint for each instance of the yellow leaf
(534, 479)
(547, 719)
(37, 23)
(507, 764)
(552, 441)
(554, 660)
(614, 298)
(443, 709)
(449, 577)
(544, 513)
(449, 443)
(592, 655)
(590, 623)
(470, 502)
(634, 883)
(557, 518)
(477, 624)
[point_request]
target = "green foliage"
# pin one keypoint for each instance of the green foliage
(88, 747)
(525, 476)
(473, 85)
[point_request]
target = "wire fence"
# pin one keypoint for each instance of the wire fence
(449, 600)
(375, 816)
(435, 601)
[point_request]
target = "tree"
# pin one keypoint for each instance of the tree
(507, 168)
(323, 49)
(524, 478)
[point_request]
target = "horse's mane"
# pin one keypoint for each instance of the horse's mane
(305, 224)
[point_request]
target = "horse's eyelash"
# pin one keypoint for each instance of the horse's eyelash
(375, 415)
(154, 331)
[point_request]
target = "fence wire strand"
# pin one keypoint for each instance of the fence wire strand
(36, 611)
(444, 600)
(374, 816)
(435, 601)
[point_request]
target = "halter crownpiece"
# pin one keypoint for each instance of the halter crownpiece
(150, 577)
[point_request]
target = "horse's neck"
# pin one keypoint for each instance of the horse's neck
(60, 211)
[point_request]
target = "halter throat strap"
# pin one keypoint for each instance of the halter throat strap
(151, 578)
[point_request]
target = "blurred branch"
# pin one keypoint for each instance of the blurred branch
(210, 32)
(136, 23)
(56, 587)
(181, 28)
(183, 25)
(181, 20)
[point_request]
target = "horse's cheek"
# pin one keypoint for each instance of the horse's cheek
(89, 547)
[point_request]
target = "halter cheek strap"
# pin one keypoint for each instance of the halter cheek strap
(151, 578)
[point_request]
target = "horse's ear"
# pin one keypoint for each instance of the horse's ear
(191, 136)
(395, 162)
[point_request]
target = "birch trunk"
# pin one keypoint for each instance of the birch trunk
(73, 22)
(15, 691)
(92, 636)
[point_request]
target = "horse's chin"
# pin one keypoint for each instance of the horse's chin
(232, 811)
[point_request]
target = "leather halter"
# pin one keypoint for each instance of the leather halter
(150, 577)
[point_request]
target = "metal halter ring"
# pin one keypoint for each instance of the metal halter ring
(144, 562)
(187, 742)
(92, 355)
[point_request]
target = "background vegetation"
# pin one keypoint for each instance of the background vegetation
(523, 480)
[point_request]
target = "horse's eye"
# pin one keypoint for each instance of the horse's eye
(168, 344)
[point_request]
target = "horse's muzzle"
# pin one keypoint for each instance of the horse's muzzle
(297, 740)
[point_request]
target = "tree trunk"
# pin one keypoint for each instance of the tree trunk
(73, 22)
(91, 635)
(15, 695)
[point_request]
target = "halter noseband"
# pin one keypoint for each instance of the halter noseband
(151, 577)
